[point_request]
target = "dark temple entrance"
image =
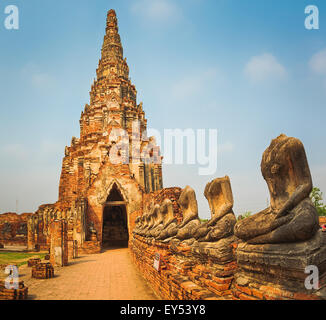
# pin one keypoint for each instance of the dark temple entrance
(115, 225)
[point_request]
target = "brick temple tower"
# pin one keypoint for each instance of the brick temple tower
(113, 106)
(106, 171)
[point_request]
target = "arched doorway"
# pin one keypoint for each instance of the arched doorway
(115, 224)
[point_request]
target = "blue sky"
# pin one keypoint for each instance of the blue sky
(247, 68)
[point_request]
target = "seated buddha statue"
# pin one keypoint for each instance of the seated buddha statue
(138, 223)
(169, 228)
(145, 222)
(150, 222)
(189, 207)
(220, 199)
(291, 216)
(145, 219)
(157, 220)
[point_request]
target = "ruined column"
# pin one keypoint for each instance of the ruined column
(30, 234)
(59, 243)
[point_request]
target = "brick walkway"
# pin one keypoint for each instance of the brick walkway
(106, 276)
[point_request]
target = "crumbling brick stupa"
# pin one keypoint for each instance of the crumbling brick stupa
(104, 177)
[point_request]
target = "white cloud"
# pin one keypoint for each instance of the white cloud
(264, 67)
(318, 62)
(156, 10)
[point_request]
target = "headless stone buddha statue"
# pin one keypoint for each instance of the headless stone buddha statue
(150, 222)
(142, 224)
(139, 224)
(169, 228)
(158, 221)
(138, 221)
(189, 207)
(220, 200)
(153, 220)
(145, 220)
(291, 216)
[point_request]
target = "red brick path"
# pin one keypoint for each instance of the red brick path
(105, 276)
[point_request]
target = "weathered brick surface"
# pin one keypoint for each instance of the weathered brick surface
(13, 294)
(33, 262)
(90, 247)
(274, 273)
(13, 229)
(167, 193)
(43, 271)
(268, 291)
(186, 276)
(181, 276)
(58, 243)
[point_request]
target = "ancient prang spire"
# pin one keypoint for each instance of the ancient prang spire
(113, 71)
(113, 105)
(112, 52)
(113, 86)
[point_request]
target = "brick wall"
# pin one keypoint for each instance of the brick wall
(168, 193)
(13, 229)
(186, 273)
(182, 275)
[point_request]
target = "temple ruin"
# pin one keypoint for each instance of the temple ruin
(111, 194)
(98, 197)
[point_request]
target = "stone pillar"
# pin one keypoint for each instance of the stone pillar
(72, 244)
(157, 175)
(30, 234)
(160, 177)
(59, 243)
(141, 174)
(81, 220)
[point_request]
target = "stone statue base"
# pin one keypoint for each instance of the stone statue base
(277, 271)
(221, 251)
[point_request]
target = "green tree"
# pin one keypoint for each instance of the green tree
(316, 197)
(245, 215)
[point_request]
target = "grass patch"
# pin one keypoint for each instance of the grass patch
(18, 258)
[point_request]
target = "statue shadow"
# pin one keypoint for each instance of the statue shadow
(74, 262)
(113, 248)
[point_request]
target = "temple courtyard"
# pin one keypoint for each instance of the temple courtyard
(109, 275)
